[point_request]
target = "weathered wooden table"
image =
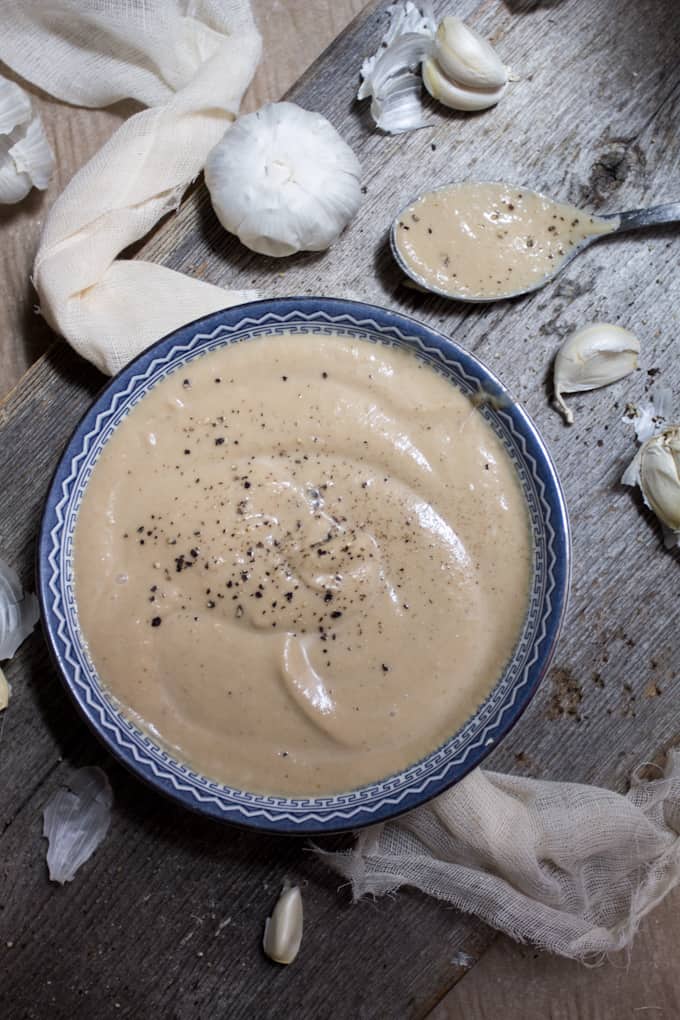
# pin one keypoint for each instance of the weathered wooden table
(166, 919)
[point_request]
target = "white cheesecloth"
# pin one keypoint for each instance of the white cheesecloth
(190, 62)
(570, 868)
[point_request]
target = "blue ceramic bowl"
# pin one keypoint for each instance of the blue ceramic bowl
(464, 749)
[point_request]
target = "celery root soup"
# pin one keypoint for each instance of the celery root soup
(301, 562)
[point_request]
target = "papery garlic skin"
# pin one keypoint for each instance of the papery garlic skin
(466, 57)
(283, 180)
(405, 20)
(75, 822)
(649, 417)
(396, 104)
(594, 356)
(391, 76)
(26, 159)
(283, 930)
(19, 612)
(454, 96)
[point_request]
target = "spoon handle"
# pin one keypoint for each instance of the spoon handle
(636, 218)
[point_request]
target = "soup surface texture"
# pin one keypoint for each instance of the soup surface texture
(301, 562)
(485, 241)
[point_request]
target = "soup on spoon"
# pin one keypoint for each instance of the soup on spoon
(484, 241)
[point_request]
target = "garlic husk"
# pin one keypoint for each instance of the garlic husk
(15, 106)
(401, 109)
(651, 416)
(455, 96)
(390, 77)
(283, 180)
(466, 57)
(283, 930)
(26, 159)
(19, 612)
(396, 104)
(75, 822)
(591, 357)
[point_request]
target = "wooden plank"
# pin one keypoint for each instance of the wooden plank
(518, 983)
(164, 882)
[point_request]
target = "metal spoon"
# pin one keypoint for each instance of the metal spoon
(634, 219)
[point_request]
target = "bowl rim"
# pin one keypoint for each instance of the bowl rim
(160, 770)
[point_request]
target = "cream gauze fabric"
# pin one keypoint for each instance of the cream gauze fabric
(190, 63)
(569, 868)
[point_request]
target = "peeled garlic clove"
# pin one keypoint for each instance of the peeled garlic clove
(659, 476)
(283, 180)
(457, 97)
(466, 57)
(283, 930)
(592, 357)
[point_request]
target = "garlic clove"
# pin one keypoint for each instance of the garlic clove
(466, 57)
(659, 474)
(591, 357)
(457, 97)
(4, 691)
(656, 466)
(283, 930)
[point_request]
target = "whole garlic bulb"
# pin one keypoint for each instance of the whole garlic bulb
(464, 73)
(591, 357)
(283, 180)
(26, 159)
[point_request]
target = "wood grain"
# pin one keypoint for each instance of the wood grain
(186, 898)
(517, 983)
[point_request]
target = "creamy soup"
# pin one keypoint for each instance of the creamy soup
(301, 562)
(489, 240)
